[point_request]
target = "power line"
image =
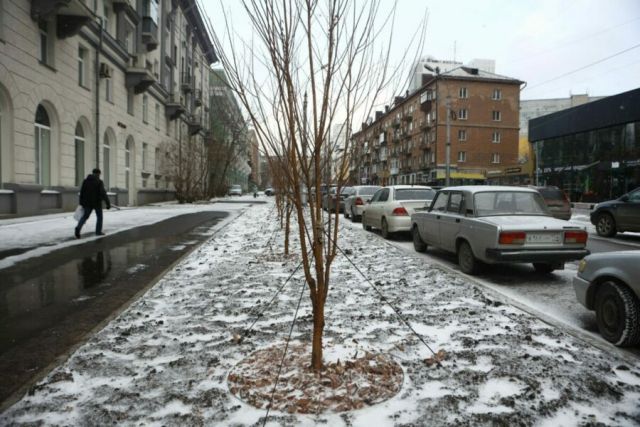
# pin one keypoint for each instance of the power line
(584, 67)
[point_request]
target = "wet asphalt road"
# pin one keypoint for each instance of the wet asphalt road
(49, 304)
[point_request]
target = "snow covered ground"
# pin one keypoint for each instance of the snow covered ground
(165, 360)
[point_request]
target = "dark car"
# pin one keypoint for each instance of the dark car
(617, 216)
(332, 198)
(556, 200)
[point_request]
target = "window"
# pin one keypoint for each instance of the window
(2, 24)
(455, 202)
(145, 108)
(462, 156)
(128, 146)
(495, 158)
(46, 43)
(462, 114)
(106, 15)
(496, 137)
(82, 66)
(42, 147)
(156, 161)
(145, 149)
(496, 116)
(440, 203)
(108, 89)
(497, 94)
(463, 93)
(157, 116)
(106, 162)
(130, 101)
(79, 148)
(462, 135)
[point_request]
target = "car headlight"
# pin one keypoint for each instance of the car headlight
(582, 265)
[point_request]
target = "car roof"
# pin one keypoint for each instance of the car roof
(402, 187)
(483, 188)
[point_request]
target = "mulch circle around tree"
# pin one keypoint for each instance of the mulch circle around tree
(343, 385)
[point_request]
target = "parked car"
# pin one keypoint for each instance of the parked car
(332, 198)
(235, 190)
(354, 204)
(391, 207)
(269, 191)
(617, 216)
(608, 283)
(494, 224)
(556, 200)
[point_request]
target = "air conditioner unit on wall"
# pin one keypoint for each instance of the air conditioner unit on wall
(105, 70)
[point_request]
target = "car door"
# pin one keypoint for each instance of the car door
(369, 208)
(429, 226)
(449, 223)
(378, 208)
(629, 212)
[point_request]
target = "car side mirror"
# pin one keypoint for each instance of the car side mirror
(624, 198)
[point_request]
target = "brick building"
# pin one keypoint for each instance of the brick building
(104, 83)
(407, 143)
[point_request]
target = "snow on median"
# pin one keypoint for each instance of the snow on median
(166, 359)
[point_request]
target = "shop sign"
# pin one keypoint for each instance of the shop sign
(513, 170)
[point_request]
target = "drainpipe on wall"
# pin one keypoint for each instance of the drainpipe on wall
(97, 76)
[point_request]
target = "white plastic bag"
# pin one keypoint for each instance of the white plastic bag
(77, 215)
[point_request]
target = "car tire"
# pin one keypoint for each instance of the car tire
(384, 229)
(606, 225)
(354, 217)
(618, 314)
(364, 224)
(466, 260)
(543, 267)
(345, 214)
(418, 244)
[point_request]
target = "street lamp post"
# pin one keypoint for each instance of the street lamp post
(447, 178)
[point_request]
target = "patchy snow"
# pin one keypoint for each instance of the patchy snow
(165, 360)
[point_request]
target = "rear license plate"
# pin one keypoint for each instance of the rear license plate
(544, 237)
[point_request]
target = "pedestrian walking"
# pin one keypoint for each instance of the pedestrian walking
(92, 193)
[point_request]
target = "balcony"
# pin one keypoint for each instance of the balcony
(194, 122)
(149, 33)
(186, 82)
(71, 15)
(125, 6)
(407, 118)
(197, 97)
(383, 156)
(395, 123)
(393, 171)
(137, 77)
(174, 106)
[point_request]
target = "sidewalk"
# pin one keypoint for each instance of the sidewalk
(165, 360)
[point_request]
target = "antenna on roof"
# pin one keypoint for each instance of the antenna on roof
(454, 50)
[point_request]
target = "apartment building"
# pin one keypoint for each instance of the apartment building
(109, 83)
(406, 143)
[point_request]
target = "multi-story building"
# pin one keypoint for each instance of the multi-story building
(407, 142)
(112, 84)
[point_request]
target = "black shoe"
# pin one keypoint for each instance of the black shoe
(100, 234)
(77, 233)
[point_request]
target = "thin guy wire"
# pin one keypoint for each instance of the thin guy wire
(284, 354)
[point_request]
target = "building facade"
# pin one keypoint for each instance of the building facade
(113, 84)
(406, 143)
(591, 151)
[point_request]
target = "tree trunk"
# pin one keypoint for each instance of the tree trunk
(318, 327)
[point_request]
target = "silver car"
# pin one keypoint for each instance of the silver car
(355, 203)
(609, 283)
(495, 224)
(391, 207)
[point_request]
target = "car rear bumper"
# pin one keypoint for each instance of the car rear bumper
(581, 288)
(540, 255)
(399, 223)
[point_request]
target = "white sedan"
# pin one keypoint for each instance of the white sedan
(391, 207)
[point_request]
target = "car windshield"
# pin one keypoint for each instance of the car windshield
(509, 203)
(415, 194)
(552, 195)
(368, 191)
(236, 187)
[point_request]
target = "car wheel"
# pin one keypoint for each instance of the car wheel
(618, 314)
(384, 228)
(345, 214)
(543, 267)
(466, 260)
(418, 244)
(606, 225)
(354, 217)
(364, 223)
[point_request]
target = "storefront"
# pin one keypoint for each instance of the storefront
(591, 151)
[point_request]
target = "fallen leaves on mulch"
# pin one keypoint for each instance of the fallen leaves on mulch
(340, 386)
(436, 359)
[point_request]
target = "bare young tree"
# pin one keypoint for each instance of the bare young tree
(313, 64)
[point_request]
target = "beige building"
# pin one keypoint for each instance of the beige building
(109, 83)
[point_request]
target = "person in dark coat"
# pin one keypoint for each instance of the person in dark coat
(92, 193)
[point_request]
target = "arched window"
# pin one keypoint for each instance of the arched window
(43, 147)
(106, 162)
(127, 162)
(79, 145)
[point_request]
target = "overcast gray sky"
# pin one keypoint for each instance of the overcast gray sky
(537, 41)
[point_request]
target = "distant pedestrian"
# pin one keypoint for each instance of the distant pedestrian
(92, 193)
